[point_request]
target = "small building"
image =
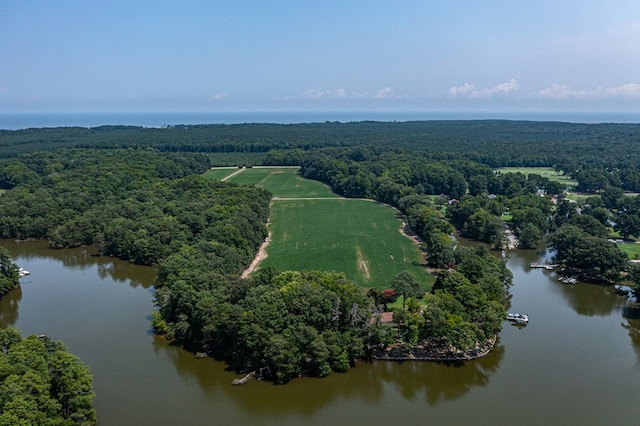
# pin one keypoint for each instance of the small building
(386, 317)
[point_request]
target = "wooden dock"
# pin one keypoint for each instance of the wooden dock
(548, 267)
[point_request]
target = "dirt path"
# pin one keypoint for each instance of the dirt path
(232, 174)
(363, 265)
(262, 253)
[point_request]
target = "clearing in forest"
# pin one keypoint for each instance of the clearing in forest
(547, 172)
(312, 228)
(358, 237)
(220, 173)
(284, 182)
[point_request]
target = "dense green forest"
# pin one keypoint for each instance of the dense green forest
(41, 383)
(136, 204)
(136, 193)
(590, 149)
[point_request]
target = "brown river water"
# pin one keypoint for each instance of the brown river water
(577, 362)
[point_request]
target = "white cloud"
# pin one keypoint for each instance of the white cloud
(563, 92)
(555, 91)
(221, 95)
(384, 93)
(465, 89)
(323, 94)
(470, 91)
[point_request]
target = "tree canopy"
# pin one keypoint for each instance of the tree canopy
(41, 383)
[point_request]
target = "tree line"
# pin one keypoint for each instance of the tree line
(608, 149)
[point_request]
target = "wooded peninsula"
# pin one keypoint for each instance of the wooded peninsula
(142, 194)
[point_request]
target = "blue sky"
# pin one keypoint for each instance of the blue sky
(379, 55)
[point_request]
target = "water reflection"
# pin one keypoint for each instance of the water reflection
(370, 383)
(82, 258)
(592, 299)
(123, 272)
(9, 307)
(441, 382)
(265, 399)
(632, 325)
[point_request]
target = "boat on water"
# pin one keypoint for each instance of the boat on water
(518, 318)
(624, 290)
(23, 272)
(568, 280)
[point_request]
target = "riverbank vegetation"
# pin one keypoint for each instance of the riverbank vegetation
(41, 383)
(9, 275)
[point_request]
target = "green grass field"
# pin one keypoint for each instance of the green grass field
(283, 182)
(357, 237)
(631, 249)
(219, 173)
(547, 172)
(579, 197)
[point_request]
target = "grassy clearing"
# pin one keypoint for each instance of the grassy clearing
(631, 249)
(579, 197)
(283, 182)
(357, 237)
(219, 173)
(547, 172)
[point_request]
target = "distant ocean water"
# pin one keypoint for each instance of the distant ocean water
(15, 121)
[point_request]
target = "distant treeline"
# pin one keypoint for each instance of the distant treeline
(594, 154)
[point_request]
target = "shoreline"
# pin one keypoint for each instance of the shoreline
(420, 353)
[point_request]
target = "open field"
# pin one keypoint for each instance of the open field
(283, 182)
(579, 197)
(547, 172)
(314, 229)
(357, 237)
(219, 173)
(631, 249)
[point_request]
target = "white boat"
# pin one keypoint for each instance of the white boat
(518, 318)
(568, 280)
(23, 272)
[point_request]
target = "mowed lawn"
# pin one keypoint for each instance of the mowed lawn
(283, 182)
(357, 237)
(219, 173)
(547, 172)
(631, 249)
